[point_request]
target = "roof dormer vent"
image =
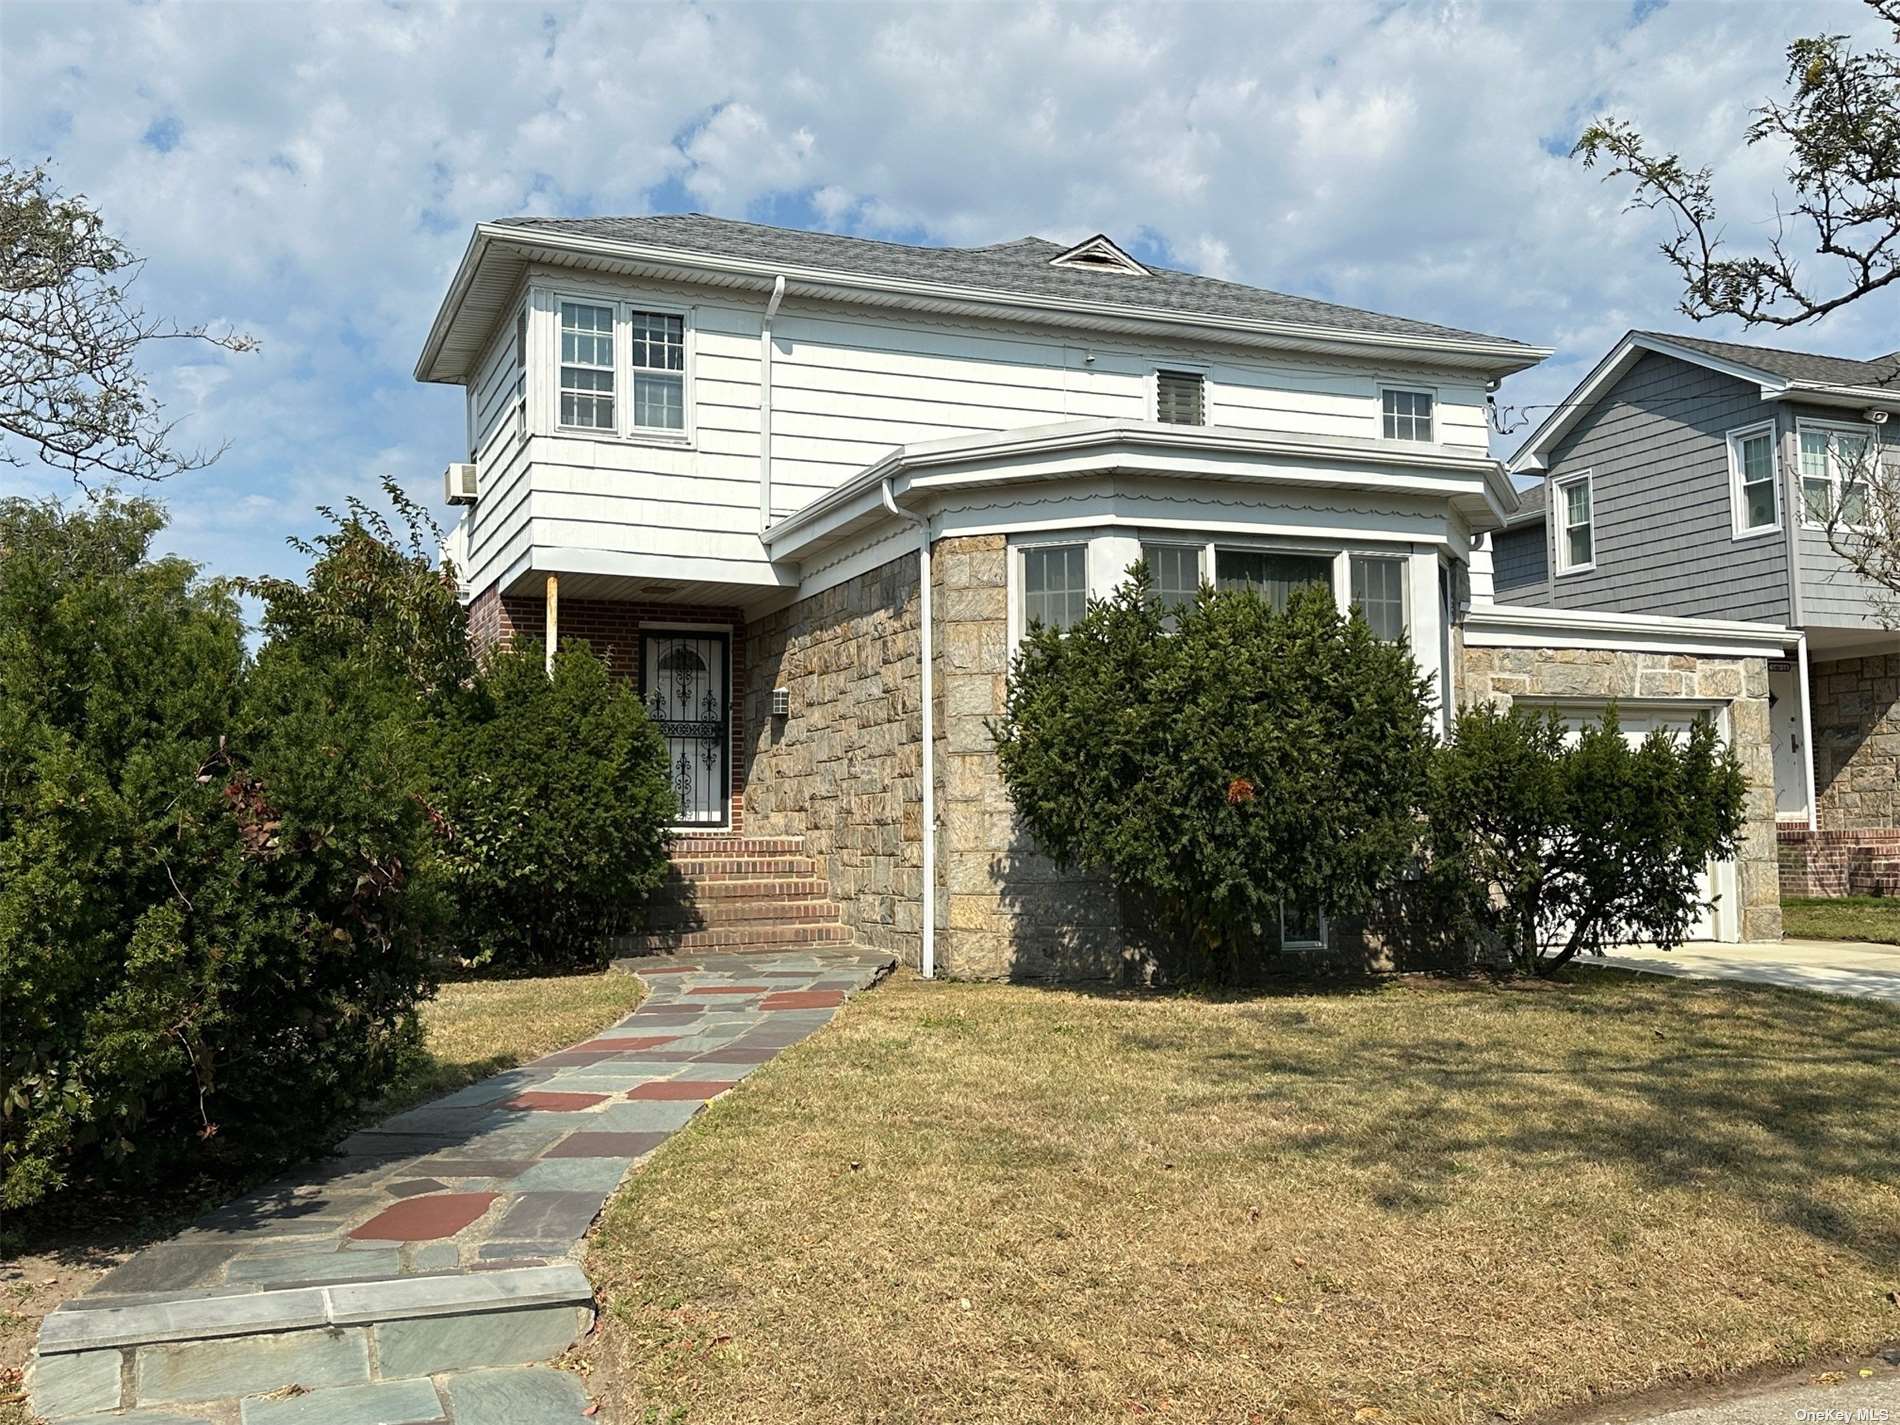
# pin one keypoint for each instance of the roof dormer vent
(1099, 254)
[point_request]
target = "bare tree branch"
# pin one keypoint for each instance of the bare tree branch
(71, 391)
(1841, 127)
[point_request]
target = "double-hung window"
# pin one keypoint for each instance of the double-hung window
(1751, 468)
(1836, 462)
(1272, 575)
(587, 366)
(1406, 415)
(659, 370)
(1055, 585)
(1576, 525)
(1174, 573)
(1378, 592)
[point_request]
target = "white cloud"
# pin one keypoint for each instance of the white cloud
(327, 161)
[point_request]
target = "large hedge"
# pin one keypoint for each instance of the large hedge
(212, 934)
(1219, 761)
(559, 799)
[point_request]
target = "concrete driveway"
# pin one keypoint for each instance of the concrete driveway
(1859, 969)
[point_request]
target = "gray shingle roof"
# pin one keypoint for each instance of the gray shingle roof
(1019, 268)
(1796, 365)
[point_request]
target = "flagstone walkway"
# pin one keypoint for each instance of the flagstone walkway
(443, 1240)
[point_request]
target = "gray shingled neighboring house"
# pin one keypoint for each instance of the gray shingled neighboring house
(1683, 477)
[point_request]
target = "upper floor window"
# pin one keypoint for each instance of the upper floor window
(1274, 576)
(1407, 415)
(1836, 462)
(1174, 572)
(1751, 469)
(587, 366)
(1055, 585)
(1378, 591)
(1576, 525)
(659, 370)
(521, 375)
(1179, 398)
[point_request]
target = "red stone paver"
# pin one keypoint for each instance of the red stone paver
(425, 1218)
(606, 1145)
(803, 999)
(730, 990)
(620, 1046)
(572, 1058)
(673, 1090)
(542, 1102)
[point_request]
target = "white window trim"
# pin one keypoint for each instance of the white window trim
(1412, 388)
(1185, 368)
(1559, 524)
(1017, 596)
(1737, 499)
(625, 431)
(1325, 937)
(1834, 481)
(1404, 561)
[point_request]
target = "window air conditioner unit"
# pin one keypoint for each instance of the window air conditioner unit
(458, 483)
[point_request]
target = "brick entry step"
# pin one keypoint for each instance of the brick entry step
(740, 893)
(1839, 863)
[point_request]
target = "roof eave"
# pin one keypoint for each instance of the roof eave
(1498, 357)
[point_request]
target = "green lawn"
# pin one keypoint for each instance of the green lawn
(1875, 918)
(1424, 1202)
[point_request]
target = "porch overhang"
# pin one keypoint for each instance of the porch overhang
(1521, 626)
(1474, 485)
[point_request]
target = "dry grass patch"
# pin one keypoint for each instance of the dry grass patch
(1418, 1202)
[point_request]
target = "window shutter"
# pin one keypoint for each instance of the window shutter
(1178, 398)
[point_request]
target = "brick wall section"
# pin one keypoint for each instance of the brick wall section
(1503, 674)
(611, 628)
(1011, 912)
(843, 770)
(1839, 863)
(1856, 716)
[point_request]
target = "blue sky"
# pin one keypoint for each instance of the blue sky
(309, 173)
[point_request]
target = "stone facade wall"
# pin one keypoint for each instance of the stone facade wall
(611, 628)
(1500, 675)
(1856, 716)
(1011, 912)
(844, 769)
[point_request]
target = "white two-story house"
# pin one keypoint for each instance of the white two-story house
(808, 490)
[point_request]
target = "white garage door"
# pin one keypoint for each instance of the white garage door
(1718, 880)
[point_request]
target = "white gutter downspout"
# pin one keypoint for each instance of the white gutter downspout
(1807, 727)
(765, 403)
(929, 730)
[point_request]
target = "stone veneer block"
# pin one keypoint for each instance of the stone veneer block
(530, 1397)
(384, 1402)
(73, 1384)
(425, 1218)
(250, 1365)
(432, 1344)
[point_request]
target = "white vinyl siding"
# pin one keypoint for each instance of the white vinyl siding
(1055, 585)
(1405, 414)
(587, 366)
(1576, 525)
(1378, 592)
(1751, 460)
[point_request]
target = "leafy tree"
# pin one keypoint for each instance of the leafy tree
(216, 912)
(1221, 761)
(1546, 845)
(71, 390)
(560, 802)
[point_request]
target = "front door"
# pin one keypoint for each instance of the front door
(1784, 722)
(683, 681)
